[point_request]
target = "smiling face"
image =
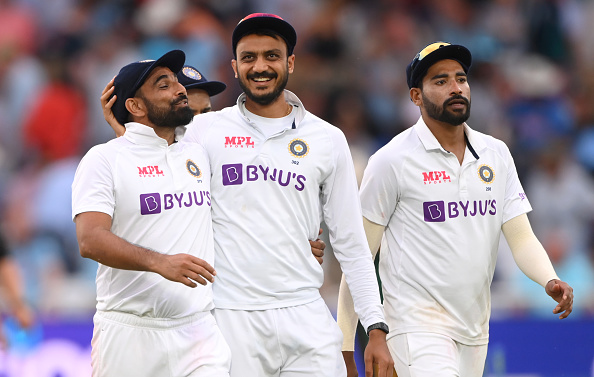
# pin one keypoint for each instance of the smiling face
(444, 94)
(263, 67)
(161, 100)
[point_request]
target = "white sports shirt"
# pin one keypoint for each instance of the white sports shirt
(269, 196)
(158, 197)
(443, 224)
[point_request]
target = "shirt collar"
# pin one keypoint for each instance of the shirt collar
(141, 134)
(474, 141)
(290, 97)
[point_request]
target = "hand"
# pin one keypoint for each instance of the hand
(24, 315)
(185, 269)
(106, 105)
(377, 352)
(351, 366)
(317, 248)
(561, 292)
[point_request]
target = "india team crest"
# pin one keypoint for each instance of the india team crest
(191, 73)
(298, 148)
(486, 174)
(193, 169)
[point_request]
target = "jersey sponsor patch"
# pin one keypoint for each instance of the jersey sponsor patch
(239, 142)
(298, 148)
(438, 176)
(486, 174)
(439, 211)
(150, 171)
(193, 169)
(155, 203)
(237, 174)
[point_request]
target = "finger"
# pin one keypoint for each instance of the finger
(109, 104)
(187, 281)
(198, 279)
(320, 232)
(204, 264)
(320, 260)
(109, 85)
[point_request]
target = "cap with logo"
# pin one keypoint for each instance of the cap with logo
(264, 21)
(431, 54)
(132, 76)
(191, 78)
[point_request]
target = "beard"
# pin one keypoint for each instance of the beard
(169, 117)
(442, 113)
(266, 98)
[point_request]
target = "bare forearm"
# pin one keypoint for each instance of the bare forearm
(110, 250)
(10, 281)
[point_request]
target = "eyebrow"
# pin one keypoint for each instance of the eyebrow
(444, 75)
(162, 77)
(274, 50)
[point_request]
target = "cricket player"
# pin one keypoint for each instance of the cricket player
(277, 172)
(437, 198)
(142, 208)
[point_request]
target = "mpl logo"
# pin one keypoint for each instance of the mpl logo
(239, 142)
(436, 212)
(436, 177)
(150, 171)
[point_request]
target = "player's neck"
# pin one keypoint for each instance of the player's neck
(450, 137)
(277, 109)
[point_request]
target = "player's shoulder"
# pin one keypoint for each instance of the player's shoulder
(400, 147)
(491, 143)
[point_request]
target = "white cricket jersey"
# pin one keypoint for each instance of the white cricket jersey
(159, 198)
(443, 223)
(269, 196)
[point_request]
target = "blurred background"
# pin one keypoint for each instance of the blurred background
(532, 85)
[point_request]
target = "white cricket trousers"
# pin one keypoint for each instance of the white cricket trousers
(296, 341)
(126, 345)
(421, 354)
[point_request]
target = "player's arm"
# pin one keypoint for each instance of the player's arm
(97, 242)
(532, 259)
(352, 251)
(106, 105)
(346, 316)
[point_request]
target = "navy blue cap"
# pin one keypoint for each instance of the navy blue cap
(132, 76)
(264, 21)
(431, 54)
(191, 78)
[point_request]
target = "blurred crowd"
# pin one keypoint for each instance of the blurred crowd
(532, 85)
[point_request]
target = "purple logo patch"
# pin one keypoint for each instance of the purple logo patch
(232, 174)
(150, 204)
(434, 211)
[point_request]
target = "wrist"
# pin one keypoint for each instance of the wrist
(381, 326)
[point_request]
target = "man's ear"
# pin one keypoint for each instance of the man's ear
(234, 65)
(135, 107)
(291, 63)
(416, 96)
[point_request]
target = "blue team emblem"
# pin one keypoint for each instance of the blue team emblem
(191, 73)
(298, 148)
(486, 174)
(193, 169)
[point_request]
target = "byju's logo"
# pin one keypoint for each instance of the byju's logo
(232, 174)
(150, 204)
(239, 142)
(436, 212)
